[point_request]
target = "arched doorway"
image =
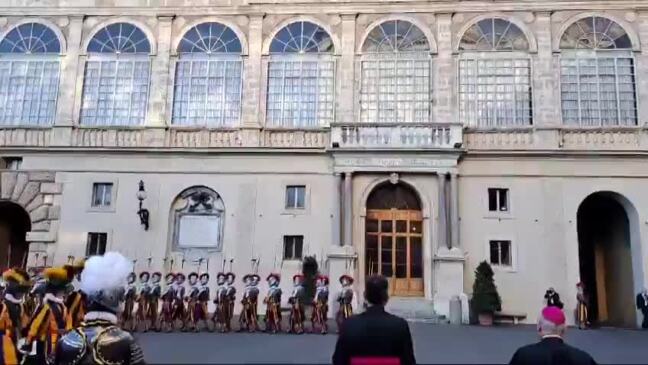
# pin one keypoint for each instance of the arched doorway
(14, 225)
(394, 238)
(606, 255)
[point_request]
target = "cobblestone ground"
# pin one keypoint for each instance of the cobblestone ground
(432, 344)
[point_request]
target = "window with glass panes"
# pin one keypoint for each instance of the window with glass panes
(116, 80)
(207, 88)
(293, 247)
(96, 244)
(500, 253)
(494, 75)
(597, 74)
(296, 197)
(301, 77)
(498, 200)
(395, 75)
(102, 194)
(29, 75)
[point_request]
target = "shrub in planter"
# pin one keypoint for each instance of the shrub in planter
(310, 270)
(485, 299)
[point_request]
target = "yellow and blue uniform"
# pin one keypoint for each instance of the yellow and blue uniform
(13, 317)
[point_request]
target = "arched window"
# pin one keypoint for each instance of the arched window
(597, 78)
(207, 88)
(301, 73)
(29, 75)
(395, 75)
(198, 215)
(116, 83)
(494, 75)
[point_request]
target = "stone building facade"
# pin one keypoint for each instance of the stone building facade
(412, 138)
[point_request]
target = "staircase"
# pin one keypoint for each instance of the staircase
(414, 310)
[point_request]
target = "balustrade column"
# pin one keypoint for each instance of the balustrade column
(160, 74)
(69, 74)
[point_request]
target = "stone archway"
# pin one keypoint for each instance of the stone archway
(605, 224)
(14, 225)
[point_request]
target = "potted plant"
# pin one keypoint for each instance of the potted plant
(310, 270)
(485, 300)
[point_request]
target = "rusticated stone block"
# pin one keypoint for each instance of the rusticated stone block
(48, 199)
(42, 176)
(29, 193)
(54, 212)
(7, 183)
(51, 188)
(35, 203)
(41, 237)
(39, 214)
(21, 182)
(43, 226)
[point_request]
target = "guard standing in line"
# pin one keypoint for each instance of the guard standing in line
(13, 317)
(75, 302)
(319, 317)
(127, 320)
(142, 300)
(230, 294)
(220, 300)
(154, 300)
(273, 304)
(202, 307)
(179, 310)
(168, 297)
(345, 298)
(192, 302)
(48, 321)
(296, 302)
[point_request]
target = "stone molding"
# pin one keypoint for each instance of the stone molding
(35, 191)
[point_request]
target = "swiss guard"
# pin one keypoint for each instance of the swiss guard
(273, 304)
(127, 320)
(582, 306)
(168, 297)
(230, 294)
(202, 307)
(154, 300)
(179, 310)
(142, 300)
(99, 340)
(319, 317)
(296, 301)
(220, 300)
(13, 317)
(192, 304)
(345, 299)
(48, 321)
(75, 302)
(248, 319)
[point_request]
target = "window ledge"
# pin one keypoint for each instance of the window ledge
(110, 209)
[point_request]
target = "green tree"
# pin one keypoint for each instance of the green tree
(310, 270)
(485, 298)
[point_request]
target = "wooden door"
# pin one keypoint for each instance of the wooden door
(394, 248)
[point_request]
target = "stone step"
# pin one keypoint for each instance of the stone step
(415, 310)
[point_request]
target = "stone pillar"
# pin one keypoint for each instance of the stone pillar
(444, 67)
(69, 73)
(251, 93)
(641, 68)
(346, 74)
(160, 80)
(454, 210)
(544, 79)
(442, 224)
(347, 213)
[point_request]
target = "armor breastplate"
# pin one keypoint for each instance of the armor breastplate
(322, 294)
(221, 292)
(193, 293)
(98, 342)
(253, 293)
(131, 292)
(169, 294)
(346, 296)
(203, 294)
(155, 292)
(180, 293)
(275, 295)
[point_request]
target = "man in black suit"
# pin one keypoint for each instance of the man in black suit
(374, 335)
(551, 350)
(642, 305)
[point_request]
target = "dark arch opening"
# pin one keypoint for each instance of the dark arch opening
(605, 260)
(14, 225)
(393, 196)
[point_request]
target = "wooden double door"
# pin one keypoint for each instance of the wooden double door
(394, 248)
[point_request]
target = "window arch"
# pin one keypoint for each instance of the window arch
(395, 74)
(116, 83)
(597, 75)
(198, 215)
(207, 90)
(29, 75)
(301, 75)
(494, 75)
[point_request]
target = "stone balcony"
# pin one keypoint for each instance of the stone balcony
(386, 136)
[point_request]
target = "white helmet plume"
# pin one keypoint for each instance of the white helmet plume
(106, 272)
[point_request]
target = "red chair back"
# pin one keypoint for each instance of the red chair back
(375, 361)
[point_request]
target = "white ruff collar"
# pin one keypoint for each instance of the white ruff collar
(49, 297)
(104, 316)
(11, 298)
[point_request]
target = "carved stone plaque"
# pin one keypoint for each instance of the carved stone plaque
(199, 231)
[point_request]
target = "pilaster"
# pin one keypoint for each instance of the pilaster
(545, 75)
(160, 80)
(641, 69)
(454, 210)
(251, 93)
(348, 209)
(346, 70)
(69, 72)
(444, 66)
(442, 223)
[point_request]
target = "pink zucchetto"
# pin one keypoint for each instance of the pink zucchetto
(554, 315)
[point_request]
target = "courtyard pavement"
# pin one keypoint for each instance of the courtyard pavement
(445, 344)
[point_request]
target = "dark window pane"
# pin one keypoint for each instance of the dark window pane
(385, 226)
(494, 252)
(401, 250)
(503, 200)
(288, 248)
(401, 271)
(372, 254)
(386, 256)
(290, 197)
(417, 272)
(416, 251)
(416, 227)
(492, 200)
(299, 245)
(505, 247)
(301, 196)
(401, 226)
(372, 225)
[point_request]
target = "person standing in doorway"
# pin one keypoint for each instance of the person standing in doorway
(374, 336)
(582, 306)
(552, 349)
(642, 305)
